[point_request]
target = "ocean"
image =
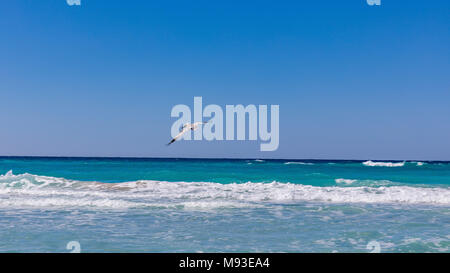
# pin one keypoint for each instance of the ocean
(223, 205)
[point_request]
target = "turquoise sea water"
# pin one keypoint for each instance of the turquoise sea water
(206, 205)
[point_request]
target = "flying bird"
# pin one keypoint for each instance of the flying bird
(188, 126)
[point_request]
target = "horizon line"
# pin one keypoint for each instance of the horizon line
(213, 158)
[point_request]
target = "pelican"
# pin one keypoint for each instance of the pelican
(188, 126)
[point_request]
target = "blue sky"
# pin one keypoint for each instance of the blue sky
(353, 81)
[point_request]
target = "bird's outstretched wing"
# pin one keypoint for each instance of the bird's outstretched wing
(184, 130)
(200, 123)
(186, 127)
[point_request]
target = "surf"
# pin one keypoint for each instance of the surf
(383, 164)
(28, 190)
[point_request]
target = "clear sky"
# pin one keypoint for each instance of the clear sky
(353, 81)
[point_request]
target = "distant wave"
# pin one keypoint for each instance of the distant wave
(33, 191)
(383, 164)
(373, 183)
(345, 181)
(298, 163)
(392, 164)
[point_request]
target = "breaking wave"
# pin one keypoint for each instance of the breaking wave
(345, 181)
(298, 163)
(383, 164)
(28, 190)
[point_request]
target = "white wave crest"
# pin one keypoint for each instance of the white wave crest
(298, 163)
(27, 190)
(345, 181)
(383, 164)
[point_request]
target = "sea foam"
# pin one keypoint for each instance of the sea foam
(297, 163)
(383, 164)
(27, 190)
(345, 181)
